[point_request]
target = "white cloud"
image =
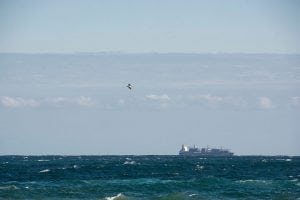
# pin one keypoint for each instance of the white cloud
(296, 101)
(84, 101)
(207, 97)
(58, 99)
(265, 103)
(162, 101)
(63, 101)
(162, 97)
(214, 101)
(14, 102)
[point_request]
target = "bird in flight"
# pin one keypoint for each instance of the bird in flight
(129, 86)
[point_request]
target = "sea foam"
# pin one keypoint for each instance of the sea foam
(45, 170)
(117, 197)
(129, 162)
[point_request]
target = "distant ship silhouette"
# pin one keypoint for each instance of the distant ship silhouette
(195, 151)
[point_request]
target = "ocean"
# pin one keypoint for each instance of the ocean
(149, 177)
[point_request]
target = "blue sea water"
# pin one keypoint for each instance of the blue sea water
(149, 177)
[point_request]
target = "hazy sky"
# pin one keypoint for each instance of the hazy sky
(150, 26)
(79, 103)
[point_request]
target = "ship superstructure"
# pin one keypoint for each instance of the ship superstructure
(195, 151)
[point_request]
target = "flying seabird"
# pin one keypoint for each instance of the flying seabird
(129, 86)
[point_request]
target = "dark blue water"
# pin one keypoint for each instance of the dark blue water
(149, 177)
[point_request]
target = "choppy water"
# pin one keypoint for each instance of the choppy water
(148, 177)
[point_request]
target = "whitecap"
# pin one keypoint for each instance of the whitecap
(75, 166)
(283, 159)
(45, 170)
(253, 181)
(129, 162)
(9, 187)
(245, 181)
(117, 197)
(199, 167)
(43, 160)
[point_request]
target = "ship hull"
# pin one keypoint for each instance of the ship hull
(206, 154)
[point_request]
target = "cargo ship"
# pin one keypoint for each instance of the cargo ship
(212, 152)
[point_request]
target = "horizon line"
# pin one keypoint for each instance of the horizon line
(236, 155)
(150, 52)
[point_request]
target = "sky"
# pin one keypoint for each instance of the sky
(65, 26)
(79, 103)
(210, 73)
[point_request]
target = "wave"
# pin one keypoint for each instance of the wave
(254, 181)
(129, 162)
(283, 159)
(43, 160)
(45, 170)
(120, 196)
(130, 182)
(9, 187)
(199, 167)
(171, 196)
